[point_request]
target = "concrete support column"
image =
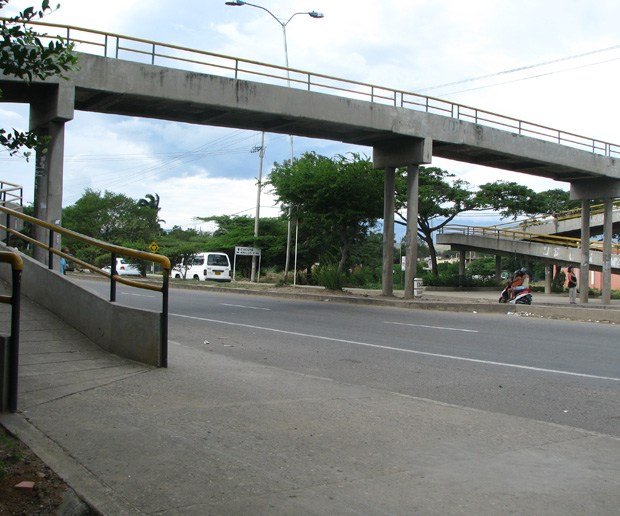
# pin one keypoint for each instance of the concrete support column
(48, 187)
(498, 268)
(387, 279)
(607, 236)
(413, 176)
(548, 278)
(584, 267)
(462, 255)
(48, 116)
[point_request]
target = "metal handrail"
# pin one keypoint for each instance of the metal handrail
(510, 234)
(575, 213)
(114, 250)
(115, 43)
(7, 195)
(14, 299)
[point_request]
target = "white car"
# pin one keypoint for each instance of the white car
(123, 268)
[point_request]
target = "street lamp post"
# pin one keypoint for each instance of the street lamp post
(283, 24)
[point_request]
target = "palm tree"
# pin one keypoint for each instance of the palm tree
(151, 201)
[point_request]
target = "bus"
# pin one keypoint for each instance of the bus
(203, 267)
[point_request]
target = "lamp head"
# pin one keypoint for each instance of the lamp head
(236, 3)
(315, 14)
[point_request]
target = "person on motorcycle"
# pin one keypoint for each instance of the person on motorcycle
(521, 283)
(516, 284)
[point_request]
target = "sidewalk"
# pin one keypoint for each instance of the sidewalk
(215, 435)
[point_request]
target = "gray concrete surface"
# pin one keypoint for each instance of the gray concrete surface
(131, 333)
(553, 253)
(217, 435)
(123, 87)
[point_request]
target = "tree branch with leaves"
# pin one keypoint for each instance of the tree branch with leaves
(24, 55)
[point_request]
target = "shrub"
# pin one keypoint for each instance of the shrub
(328, 276)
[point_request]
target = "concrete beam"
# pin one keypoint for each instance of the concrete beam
(549, 253)
(56, 105)
(403, 152)
(602, 188)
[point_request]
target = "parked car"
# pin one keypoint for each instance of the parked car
(124, 268)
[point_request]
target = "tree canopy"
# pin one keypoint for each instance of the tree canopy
(335, 199)
(25, 56)
(113, 218)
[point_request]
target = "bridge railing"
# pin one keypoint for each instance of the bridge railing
(575, 213)
(10, 193)
(524, 236)
(154, 52)
(53, 231)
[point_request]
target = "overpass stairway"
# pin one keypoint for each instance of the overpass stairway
(512, 242)
(566, 223)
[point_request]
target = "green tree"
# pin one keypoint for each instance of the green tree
(239, 231)
(337, 201)
(440, 200)
(113, 218)
(23, 55)
(179, 244)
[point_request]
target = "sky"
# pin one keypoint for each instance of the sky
(552, 62)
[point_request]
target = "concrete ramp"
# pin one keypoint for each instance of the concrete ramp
(492, 242)
(567, 224)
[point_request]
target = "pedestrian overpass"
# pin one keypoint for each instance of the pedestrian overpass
(130, 76)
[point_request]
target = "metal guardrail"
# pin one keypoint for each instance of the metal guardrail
(11, 193)
(114, 250)
(513, 234)
(153, 52)
(12, 354)
(595, 209)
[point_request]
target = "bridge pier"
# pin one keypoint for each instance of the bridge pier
(607, 190)
(48, 116)
(548, 278)
(413, 153)
(607, 236)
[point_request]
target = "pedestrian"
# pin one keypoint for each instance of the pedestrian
(571, 277)
(63, 261)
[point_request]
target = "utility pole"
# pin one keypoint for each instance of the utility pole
(261, 154)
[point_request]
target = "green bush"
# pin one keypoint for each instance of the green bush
(328, 276)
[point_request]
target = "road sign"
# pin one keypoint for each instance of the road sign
(247, 251)
(153, 247)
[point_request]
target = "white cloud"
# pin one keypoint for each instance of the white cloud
(184, 198)
(409, 45)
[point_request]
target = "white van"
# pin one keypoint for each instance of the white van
(204, 266)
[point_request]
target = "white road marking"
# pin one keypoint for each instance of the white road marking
(432, 327)
(413, 351)
(248, 307)
(136, 295)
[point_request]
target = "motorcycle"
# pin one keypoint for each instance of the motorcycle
(523, 297)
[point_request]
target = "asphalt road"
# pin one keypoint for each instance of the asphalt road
(555, 371)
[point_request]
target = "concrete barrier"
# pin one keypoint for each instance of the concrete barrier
(124, 331)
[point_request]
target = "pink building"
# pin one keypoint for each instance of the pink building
(596, 280)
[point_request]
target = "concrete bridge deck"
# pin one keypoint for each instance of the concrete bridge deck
(549, 252)
(566, 224)
(312, 105)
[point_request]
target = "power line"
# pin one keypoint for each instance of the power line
(533, 76)
(520, 69)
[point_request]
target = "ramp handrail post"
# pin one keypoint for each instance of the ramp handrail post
(163, 351)
(50, 246)
(14, 340)
(8, 226)
(112, 280)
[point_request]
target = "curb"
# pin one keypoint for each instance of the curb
(545, 311)
(88, 488)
